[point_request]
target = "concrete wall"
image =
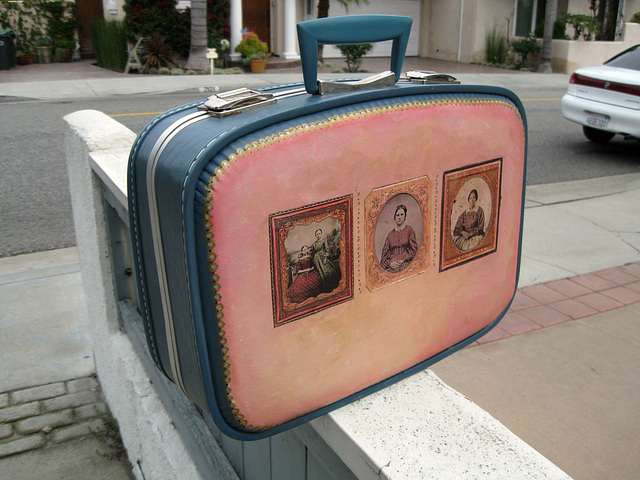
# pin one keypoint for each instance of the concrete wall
(569, 55)
(442, 21)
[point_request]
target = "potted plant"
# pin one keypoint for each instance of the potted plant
(253, 52)
(64, 48)
(26, 57)
(44, 50)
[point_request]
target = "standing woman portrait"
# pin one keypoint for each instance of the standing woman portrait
(400, 245)
(325, 262)
(469, 229)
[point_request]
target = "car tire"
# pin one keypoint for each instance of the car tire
(597, 136)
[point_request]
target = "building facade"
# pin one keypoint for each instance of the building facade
(453, 30)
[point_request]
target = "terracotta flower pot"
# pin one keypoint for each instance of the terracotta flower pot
(27, 59)
(258, 65)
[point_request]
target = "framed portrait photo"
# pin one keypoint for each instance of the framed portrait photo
(311, 258)
(397, 226)
(470, 213)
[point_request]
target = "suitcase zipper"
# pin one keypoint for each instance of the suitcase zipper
(233, 102)
(158, 248)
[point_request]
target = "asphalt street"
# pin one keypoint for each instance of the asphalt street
(35, 208)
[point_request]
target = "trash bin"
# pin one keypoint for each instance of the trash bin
(6, 50)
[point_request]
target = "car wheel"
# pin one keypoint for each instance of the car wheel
(597, 136)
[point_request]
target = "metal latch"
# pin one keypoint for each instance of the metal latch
(384, 79)
(424, 76)
(236, 101)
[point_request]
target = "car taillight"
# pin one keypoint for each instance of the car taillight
(604, 84)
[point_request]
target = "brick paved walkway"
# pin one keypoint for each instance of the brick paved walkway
(546, 304)
(50, 414)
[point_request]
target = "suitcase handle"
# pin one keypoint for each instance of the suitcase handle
(347, 30)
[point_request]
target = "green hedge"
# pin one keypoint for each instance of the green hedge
(110, 44)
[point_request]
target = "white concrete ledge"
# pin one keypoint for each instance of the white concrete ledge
(154, 446)
(418, 428)
(421, 428)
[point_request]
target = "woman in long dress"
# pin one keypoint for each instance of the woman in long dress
(400, 245)
(469, 229)
(307, 282)
(324, 262)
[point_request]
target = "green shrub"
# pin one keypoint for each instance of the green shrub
(559, 29)
(353, 54)
(144, 17)
(497, 47)
(164, 71)
(109, 44)
(584, 25)
(635, 18)
(525, 46)
(157, 52)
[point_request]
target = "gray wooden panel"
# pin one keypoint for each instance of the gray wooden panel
(321, 455)
(288, 457)
(233, 449)
(257, 460)
(317, 471)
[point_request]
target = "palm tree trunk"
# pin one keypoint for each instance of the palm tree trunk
(323, 12)
(549, 18)
(198, 49)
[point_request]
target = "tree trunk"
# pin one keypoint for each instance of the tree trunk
(549, 18)
(611, 20)
(323, 12)
(198, 49)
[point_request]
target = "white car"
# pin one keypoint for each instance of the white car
(605, 99)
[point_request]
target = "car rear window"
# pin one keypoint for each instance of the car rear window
(630, 59)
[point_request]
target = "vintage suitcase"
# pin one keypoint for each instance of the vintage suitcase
(296, 251)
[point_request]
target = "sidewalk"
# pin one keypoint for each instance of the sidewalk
(560, 370)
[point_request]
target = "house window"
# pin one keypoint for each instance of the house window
(525, 17)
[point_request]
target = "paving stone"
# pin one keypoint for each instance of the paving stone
(600, 302)
(623, 295)
(496, 333)
(632, 269)
(89, 411)
(568, 288)
(573, 308)
(74, 431)
(23, 444)
(593, 282)
(87, 383)
(514, 323)
(4, 400)
(635, 286)
(71, 400)
(36, 424)
(6, 430)
(520, 301)
(38, 393)
(617, 276)
(543, 294)
(17, 412)
(544, 315)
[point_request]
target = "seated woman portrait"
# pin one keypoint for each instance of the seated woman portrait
(469, 229)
